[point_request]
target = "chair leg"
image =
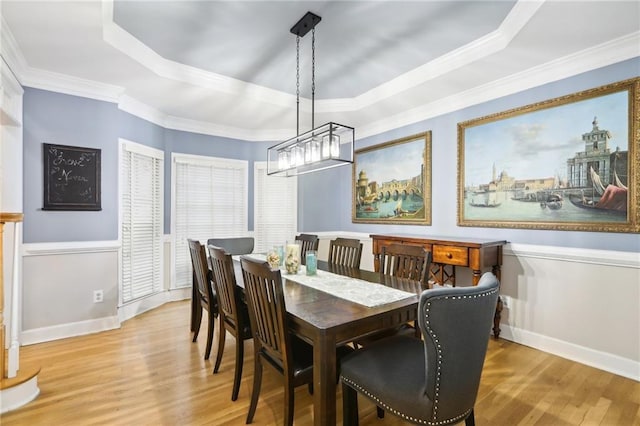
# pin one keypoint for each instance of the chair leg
(238, 373)
(470, 420)
(197, 319)
(349, 406)
(380, 412)
(288, 403)
(221, 337)
(212, 325)
(255, 393)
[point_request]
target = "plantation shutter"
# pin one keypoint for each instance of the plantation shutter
(141, 225)
(275, 208)
(210, 201)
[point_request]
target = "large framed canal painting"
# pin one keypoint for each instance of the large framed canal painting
(392, 182)
(569, 163)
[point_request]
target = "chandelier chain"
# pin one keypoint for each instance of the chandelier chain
(297, 85)
(313, 76)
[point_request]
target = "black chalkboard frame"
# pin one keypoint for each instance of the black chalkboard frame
(71, 178)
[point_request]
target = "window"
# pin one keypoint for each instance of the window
(209, 201)
(141, 229)
(275, 208)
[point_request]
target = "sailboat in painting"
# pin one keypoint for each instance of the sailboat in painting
(612, 199)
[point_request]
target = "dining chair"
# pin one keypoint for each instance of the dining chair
(308, 242)
(406, 261)
(272, 342)
(432, 381)
(234, 316)
(233, 246)
(411, 262)
(205, 293)
(345, 252)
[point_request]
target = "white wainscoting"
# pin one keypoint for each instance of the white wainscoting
(58, 284)
(579, 304)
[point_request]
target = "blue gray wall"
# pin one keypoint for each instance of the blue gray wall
(325, 198)
(56, 118)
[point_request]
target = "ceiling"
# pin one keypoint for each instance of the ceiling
(229, 67)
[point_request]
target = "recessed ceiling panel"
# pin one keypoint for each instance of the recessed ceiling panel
(359, 44)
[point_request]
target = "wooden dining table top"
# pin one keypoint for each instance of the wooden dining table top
(325, 321)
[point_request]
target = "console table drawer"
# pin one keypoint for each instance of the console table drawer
(450, 255)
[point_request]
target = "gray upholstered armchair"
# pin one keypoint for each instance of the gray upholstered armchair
(430, 382)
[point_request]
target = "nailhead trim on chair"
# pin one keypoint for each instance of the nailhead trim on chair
(432, 422)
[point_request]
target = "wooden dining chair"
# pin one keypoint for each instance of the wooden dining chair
(308, 242)
(234, 316)
(406, 261)
(233, 246)
(205, 294)
(401, 261)
(272, 342)
(345, 252)
(436, 382)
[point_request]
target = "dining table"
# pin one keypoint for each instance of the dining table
(326, 318)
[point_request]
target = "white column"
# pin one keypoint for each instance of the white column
(13, 356)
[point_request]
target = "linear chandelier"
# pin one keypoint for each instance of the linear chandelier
(323, 147)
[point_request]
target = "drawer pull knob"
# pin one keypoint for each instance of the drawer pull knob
(449, 255)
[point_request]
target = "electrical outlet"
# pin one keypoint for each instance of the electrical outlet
(98, 296)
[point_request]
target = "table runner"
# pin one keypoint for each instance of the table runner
(352, 289)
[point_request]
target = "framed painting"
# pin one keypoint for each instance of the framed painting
(71, 178)
(392, 182)
(569, 163)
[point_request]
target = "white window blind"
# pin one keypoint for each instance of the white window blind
(275, 208)
(141, 225)
(209, 201)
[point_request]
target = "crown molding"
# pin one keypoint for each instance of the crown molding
(134, 107)
(187, 125)
(614, 51)
(124, 42)
(485, 46)
(10, 51)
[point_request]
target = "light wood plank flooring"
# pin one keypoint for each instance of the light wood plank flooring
(149, 373)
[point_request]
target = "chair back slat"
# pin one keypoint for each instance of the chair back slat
(406, 261)
(267, 311)
(200, 269)
(345, 252)
(308, 242)
(224, 280)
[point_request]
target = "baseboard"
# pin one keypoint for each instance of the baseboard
(138, 307)
(63, 331)
(593, 358)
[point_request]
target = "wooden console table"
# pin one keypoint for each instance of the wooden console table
(447, 253)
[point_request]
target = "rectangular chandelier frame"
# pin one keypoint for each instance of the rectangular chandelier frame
(327, 146)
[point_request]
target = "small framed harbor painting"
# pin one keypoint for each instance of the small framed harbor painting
(392, 182)
(569, 163)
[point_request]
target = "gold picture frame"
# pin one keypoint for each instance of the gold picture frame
(569, 163)
(391, 182)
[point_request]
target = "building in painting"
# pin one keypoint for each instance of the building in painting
(596, 162)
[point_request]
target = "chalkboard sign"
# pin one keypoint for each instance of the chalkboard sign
(71, 178)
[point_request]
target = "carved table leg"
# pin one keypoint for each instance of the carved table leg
(498, 315)
(496, 319)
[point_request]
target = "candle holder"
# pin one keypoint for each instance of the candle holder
(292, 257)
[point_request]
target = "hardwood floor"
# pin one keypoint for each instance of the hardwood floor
(149, 373)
